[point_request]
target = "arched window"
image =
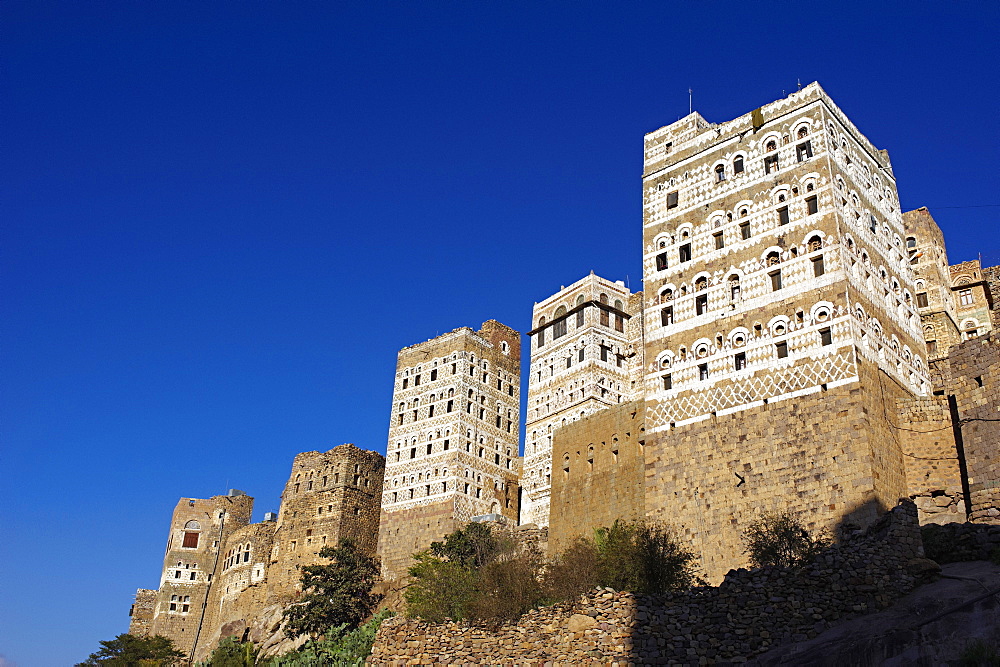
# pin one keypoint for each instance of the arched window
(734, 287)
(803, 131)
(743, 213)
(815, 243)
(720, 173)
(738, 164)
(911, 242)
(192, 525)
(772, 145)
(701, 284)
(773, 258)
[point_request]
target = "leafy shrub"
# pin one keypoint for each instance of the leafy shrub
(339, 646)
(232, 653)
(440, 588)
(780, 539)
(506, 589)
(645, 558)
(573, 572)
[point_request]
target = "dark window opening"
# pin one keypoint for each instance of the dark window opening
(826, 336)
(190, 540)
(812, 205)
(770, 164)
(818, 267)
(701, 304)
(619, 323)
(740, 361)
(804, 151)
(921, 299)
(775, 281)
(685, 252)
(783, 215)
(672, 199)
(559, 328)
(738, 165)
(667, 316)
(702, 371)
(661, 261)
(667, 383)
(744, 230)
(720, 242)
(781, 349)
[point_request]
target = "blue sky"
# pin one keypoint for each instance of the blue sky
(222, 220)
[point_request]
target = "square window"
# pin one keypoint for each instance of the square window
(661, 261)
(804, 151)
(672, 199)
(783, 215)
(812, 205)
(825, 336)
(740, 361)
(921, 299)
(770, 164)
(701, 304)
(781, 349)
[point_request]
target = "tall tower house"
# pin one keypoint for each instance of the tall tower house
(777, 285)
(585, 351)
(932, 282)
(453, 439)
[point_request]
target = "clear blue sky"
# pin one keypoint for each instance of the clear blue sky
(222, 219)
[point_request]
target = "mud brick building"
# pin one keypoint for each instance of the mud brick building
(453, 439)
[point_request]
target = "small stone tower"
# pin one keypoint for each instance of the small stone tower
(329, 495)
(453, 439)
(935, 301)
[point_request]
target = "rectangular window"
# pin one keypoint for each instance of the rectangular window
(541, 337)
(818, 267)
(619, 323)
(416, 381)
(740, 361)
(965, 297)
(559, 328)
(812, 205)
(569, 361)
(783, 215)
(667, 316)
(604, 353)
(190, 540)
(672, 199)
(931, 346)
(413, 452)
(781, 349)
(667, 382)
(429, 448)
(744, 230)
(605, 318)
(720, 242)
(702, 371)
(701, 304)
(406, 381)
(775, 281)
(661, 261)
(430, 411)
(804, 151)
(825, 336)
(446, 445)
(434, 375)
(580, 356)
(738, 165)
(579, 318)
(450, 406)
(770, 164)
(921, 299)
(685, 252)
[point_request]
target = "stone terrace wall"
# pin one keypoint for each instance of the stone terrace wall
(959, 542)
(751, 612)
(933, 472)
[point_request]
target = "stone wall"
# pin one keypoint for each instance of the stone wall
(958, 542)
(598, 473)
(141, 613)
(749, 613)
(933, 470)
(970, 378)
(829, 457)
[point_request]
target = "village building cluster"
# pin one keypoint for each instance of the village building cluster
(799, 344)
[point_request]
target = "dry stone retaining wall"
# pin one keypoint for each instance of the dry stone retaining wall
(751, 612)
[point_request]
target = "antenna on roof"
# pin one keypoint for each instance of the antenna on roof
(690, 101)
(798, 82)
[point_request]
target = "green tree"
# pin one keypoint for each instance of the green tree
(645, 558)
(336, 593)
(127, 650)
(778, 538)
(439, 588)
(473, 546)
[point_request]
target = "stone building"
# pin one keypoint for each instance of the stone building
(452, 452)
(585, 348)
(777, 285)
(973, 298)
(935, 300)
(198, 530)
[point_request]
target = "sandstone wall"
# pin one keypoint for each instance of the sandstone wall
(933, 471)
(970, 378)
(141, 613)
(598, 473)
(830, 457)
(751, 612)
